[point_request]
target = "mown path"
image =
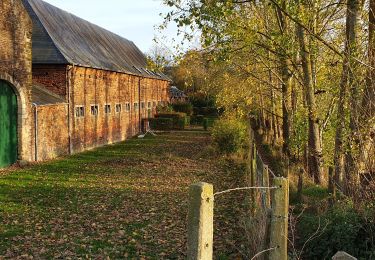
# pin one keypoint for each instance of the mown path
(124, 201)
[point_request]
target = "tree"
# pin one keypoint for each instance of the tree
(347, 80)
(279, 60)
(159, 58)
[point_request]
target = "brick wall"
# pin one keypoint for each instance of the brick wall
(91, 87)
(15, 68)
(88, 87)
(53, 77)
(52, 131)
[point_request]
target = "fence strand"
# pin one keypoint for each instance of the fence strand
(264, 251)
(243, 188)
(269, 170)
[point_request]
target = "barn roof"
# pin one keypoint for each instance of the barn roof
(41, 96)
(176, 93)
(60, 37)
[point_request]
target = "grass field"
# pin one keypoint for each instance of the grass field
(127, 200)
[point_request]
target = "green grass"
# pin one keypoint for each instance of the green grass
(127, 200)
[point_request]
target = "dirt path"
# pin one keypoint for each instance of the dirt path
(123, 201)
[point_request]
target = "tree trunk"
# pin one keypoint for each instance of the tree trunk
(352, 151)
(346, 80)
(367, 123)
(315, 151)
(285, 85)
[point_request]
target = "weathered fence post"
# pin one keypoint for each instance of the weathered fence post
(200, 222)
(253, 192)
(279, 219)
(266, 183)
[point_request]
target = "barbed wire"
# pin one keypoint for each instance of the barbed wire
(264, 251)
(269, 170)
(243, 188)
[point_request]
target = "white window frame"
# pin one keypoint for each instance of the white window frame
(118, 105)
(95, 106)
(106, 111)
(127, 107)
(79, 111)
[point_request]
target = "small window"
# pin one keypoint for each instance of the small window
(94, 110)
(159, 103)
(149, 105)
(136, 106)
(127, 107)
(80, 111)
(143, 105)
(107, 109)
(118, 108)
(154, 104)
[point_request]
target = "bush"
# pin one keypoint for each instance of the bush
(229, 135)
(202, 100)
(179, 120)
(186, 108)
(205, 124)
(164, 109)
(197, 120)
(180, 123)
(172, 115)
(346, 230)
(206, 111)
(187, 120)
(161, 123)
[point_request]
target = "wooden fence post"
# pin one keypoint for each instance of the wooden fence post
(279, 219)
(266, 183)
(200, 222)
(253, 193)
(254, 165)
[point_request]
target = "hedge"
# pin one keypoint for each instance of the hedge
(179, 120)
(186, 108)
(161, 123)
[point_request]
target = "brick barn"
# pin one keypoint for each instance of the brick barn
(67, 85)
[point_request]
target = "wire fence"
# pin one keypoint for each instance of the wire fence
(268, 196)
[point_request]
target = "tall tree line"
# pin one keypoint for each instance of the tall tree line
(304, 68)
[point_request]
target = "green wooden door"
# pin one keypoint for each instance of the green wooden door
(8, 125)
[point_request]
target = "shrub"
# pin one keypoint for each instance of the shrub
(345, 230)
(229, 135)
(187, 120)
(185, 107)
(206, 111)
(202, 100)
(179, 120)
(180, 123)
(171, 115)
(161, 123)
(205, 124)
(164, 109)
(197, 120)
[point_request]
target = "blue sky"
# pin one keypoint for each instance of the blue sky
(132, 19)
